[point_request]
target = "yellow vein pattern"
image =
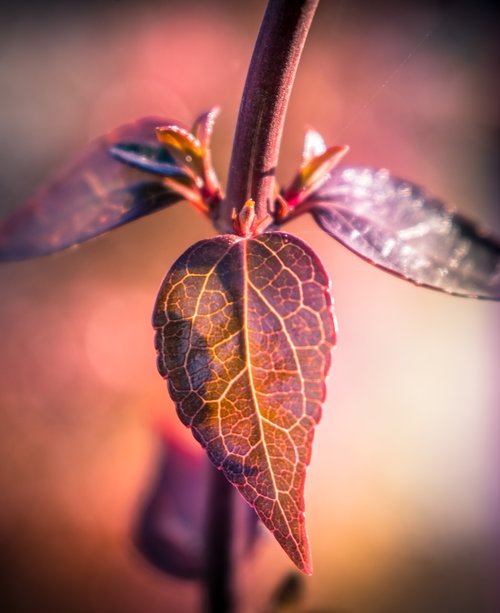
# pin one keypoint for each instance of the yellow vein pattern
(244, 336)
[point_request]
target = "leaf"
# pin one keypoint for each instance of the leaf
(93, 195)
(204, 126)
(288, 594)
(312, 174)
(314, 145)
(172, 522)
(317, 162)
(183, 158)
(244, 336)
(393, 224)
(184, 147)
(150, 157)
(202, 130)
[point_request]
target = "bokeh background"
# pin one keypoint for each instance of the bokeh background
(402, 489)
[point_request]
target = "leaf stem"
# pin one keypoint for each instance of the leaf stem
(219, 595)
(263, 107)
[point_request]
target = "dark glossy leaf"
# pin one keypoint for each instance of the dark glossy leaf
(182, 158)
(244, 336)
(153, 158)
(393, 224)
(170, 529)
(288, 594)
(95, 194)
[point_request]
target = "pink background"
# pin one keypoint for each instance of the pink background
(401, 489)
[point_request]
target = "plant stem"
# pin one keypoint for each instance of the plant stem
(251, 175)
(263, 107)
(219, 596)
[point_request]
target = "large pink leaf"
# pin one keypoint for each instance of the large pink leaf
(393, 224)
(244, 335)
(93, 195)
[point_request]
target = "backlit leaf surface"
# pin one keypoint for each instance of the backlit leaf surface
(395, 225)
(95, 194)
(244, 336)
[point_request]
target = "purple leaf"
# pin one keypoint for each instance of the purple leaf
(171, 526)
(150, 157)
(93, 195)
(393, 224)
(245, 331)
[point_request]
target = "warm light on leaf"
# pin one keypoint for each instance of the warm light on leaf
(184, 146)
(393, 224)
(315, 168)
(93, 195)
(244, 336)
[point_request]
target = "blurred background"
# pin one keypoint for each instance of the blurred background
(402, 491)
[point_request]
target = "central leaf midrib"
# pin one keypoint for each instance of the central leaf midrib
(249, 368)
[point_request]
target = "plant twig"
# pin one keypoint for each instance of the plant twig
(263, 107)
(219, 594)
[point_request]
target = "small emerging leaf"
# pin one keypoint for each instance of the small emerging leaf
(314, 145)
(204, 126)
(184, 146)
(190, 173)
(95, 194)
(202, 129)
(314, 171)
(244, 336)
(320, 165)
(393, 224)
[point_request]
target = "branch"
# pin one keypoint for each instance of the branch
(263, 107)
(219, 591)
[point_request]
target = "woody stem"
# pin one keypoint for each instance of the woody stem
(263, 107)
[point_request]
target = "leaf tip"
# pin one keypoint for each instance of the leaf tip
(307, 570)
(314, 145)
(306, 565)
